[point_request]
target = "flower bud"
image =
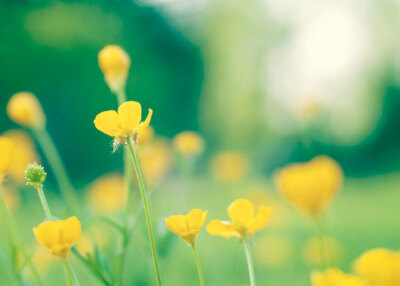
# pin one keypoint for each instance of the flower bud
(114, 63)
(24, 109)
(35, 175)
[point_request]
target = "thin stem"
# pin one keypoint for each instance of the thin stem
(139, 176)
(121, 96)
(321, 244)
(70, 275)
(67, 190)
(44, 203)
(198, 265)
(246, 245)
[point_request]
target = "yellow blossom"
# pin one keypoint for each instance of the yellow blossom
(25, 109)
(7, 151)
(146, 136)
(229, 166)
(126, 123)
(244, 221)
(59, 236)
(330, 247)
(310, 186)
(188, 142)
(335, 277)
(11, 197)
(114, 63)
(274, 251)
(42, 259)
(107, 193)
(381, 267)
(85, 245)
(187, 226)
(155, 160)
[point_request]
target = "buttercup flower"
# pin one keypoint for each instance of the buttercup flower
(107, 193)
(187, 226)
(58, 236)
(7, 151)
(335, 277)
(188, 142)
(146, 136)
(229, 166)
(24, 109)
(114, 63)
(310, 186)
(155, 160)
(244, 221)
(381, 267)
(124, 124)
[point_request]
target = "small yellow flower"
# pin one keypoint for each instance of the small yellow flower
(107, 193)
(381, 267)
(59, 236)
(7, 151)
(310, 186)
(25, 109)
(146, 136)
(187, 226)
(126, 123)
(244, 221)
(155, 160)
(114, 63)
(229, 166)
(335, 277)
(188, 143)
(274, 251)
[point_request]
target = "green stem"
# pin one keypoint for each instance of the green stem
(198, 265)
(139, 176)
(246, 245)
(44, 203)
(70, 275)
(121, 96)
(67, 190)
(321, 244)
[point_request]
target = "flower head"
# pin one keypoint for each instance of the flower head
(7, 151)
(229, 166)
(114, 63)
(126, 123)
(35, 175)
(335, 277)
(155, 160)
(189, 143)
(310, 186)
(107, 193)
(58, 236)
(25, 109)
(187, 226)
(244, 220)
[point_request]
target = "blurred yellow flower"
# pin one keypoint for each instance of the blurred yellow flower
(42, 259)
(59, 236)
(313, 247)
(155, 160)
(114, 63)
(244, 221)
(84, 245)
(25, 109)
(125, 123)
(274, 251)
(25, 153)
(7, 151)
(381, 267)
(11, 198)
(188, 143)
(335, 277)
(146, 136)
(187, 226)
(229, 166)
(310, 186)
(107, 193)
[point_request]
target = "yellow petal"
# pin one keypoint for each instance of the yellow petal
(108, 122)
(177, 224)
(70, 229)
(221, 228)
(195, 219)
(7, 152)
(260, 220)
(144, 124)
(335, 277)
(241, 212)
(130, 114)
(47, 234)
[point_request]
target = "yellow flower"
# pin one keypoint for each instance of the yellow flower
(125, 123)
(146, 136)
(155, 160)
(331, 251)
(244, 221)
(188, 142)
(274, 251)
(114, 63)
(25, 109)
(335, 277)
(187, 226)
(7, 151)
(25, 153)
(58, 236)
(12, 198)
(85, 245)
(310, 186)
(381, 267)
(229, 166)
(107, 193)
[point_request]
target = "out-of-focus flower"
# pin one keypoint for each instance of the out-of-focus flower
(310, 186)
(114, 63)
(229, 166)
(331, 248)
(25, 153)
(35, 175)
(335, 277)
(107, 193)
(25, 109)
(11, 197)
(42, 259)
(187, 226)
(126, 123)
(244, 221)
(58, 236)
(146, 136)
(7, 151)
(273, 251)
(381, 267)
(188, 143)
(84, 245)
(155, 160)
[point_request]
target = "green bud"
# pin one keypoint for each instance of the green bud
(35, 175)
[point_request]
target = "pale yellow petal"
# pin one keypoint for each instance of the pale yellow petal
(221, 228)
(7, 152)
(70, 229)
(241, 212)
(108, 122)
(260, 220)
(47, 234)
(177, 224)
(130, 114)
(144, 124)
(195, 219)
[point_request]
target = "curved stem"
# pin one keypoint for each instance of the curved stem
(139, 176)
(198, 265)
(246, 245)
(324, 253)
(70, 275)
(44, 203)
